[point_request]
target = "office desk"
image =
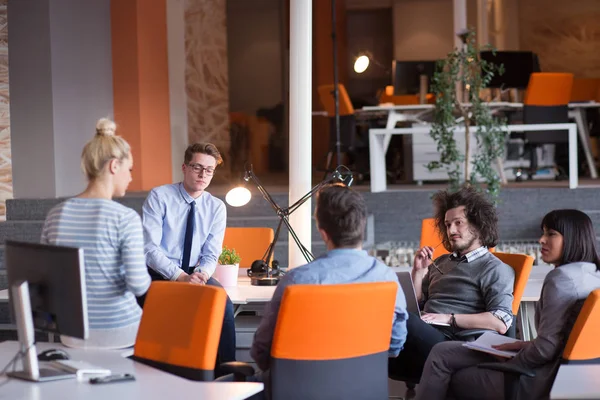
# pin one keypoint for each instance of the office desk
(379, 140)
(577, 382)
(415, 113)
(150, 383)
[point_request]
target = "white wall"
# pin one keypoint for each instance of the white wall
(422, 29)
(60, 68)
(254, 52)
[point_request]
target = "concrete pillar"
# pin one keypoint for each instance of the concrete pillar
(300, 124)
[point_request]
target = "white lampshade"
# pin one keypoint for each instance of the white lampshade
(361, 64)
(237, 197)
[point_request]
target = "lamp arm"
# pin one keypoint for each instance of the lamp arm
(269, 253)
(305, 252)
(263, 191)
(307, 196)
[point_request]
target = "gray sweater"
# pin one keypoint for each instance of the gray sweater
(484, 284)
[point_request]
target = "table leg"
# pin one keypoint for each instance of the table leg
(523, 321)
(582, 129)
(377, 162)
(573, 158)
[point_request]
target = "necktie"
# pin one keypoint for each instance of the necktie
(189, 234)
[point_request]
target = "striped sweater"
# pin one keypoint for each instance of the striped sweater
(115, 270)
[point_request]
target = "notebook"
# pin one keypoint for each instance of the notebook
(412, 305)
(485, 342)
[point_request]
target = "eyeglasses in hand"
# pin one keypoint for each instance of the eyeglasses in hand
(198, 168)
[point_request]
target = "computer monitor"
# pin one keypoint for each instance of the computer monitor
(47, 292)
(518, 66)
(406, 75)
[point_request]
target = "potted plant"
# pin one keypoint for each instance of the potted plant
(227, 269)
(457, 85)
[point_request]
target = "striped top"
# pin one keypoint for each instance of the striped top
(115, 270)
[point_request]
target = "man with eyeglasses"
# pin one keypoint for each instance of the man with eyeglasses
(184, 226)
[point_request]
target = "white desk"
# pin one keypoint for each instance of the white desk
(150, 383)
(245, 293)
(379, 140)
(577, 382)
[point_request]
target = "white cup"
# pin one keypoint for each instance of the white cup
(227, 275)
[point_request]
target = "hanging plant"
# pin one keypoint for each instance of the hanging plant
(457, 84)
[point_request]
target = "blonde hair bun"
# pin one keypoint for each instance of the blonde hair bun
(105, 127)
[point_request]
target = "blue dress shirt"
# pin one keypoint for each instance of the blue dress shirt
(335, 267)
(164, 219)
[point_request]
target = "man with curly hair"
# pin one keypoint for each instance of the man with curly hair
(469, 288)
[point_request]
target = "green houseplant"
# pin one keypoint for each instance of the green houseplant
(229, 257)
(457, 85)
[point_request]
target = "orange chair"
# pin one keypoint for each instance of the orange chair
(546, 102)
(323, 349)
(387, 96)
(522, 265)
(185, 342)
(250, 243)
(430, 236)
(582, 347)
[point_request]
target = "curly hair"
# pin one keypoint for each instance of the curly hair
(479, 210)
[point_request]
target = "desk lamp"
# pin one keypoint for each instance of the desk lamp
(260, 273)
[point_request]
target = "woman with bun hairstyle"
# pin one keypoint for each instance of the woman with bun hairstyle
(568, 242)
(112, 239)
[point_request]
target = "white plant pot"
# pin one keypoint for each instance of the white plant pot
(227, 275)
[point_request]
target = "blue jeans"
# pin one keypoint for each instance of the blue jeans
(227, 342)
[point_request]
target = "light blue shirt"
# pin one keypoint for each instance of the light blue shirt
(337, 266)
(164, 217)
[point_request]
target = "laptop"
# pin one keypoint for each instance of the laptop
(412, 305)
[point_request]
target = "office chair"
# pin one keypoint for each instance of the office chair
(323, 349)
(582, 347)
(546, 102)
(250, 243)
(184, 342)
(522, 265)
(431, 237)
(349, 139)
(387, 96)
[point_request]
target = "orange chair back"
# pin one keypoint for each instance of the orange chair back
(336, 331)
(522, 265)
(184, 342)
(328, 101)
(549, 89)
(431, 237)
(585, 89)
(324, 349)
(250, 243)
(387, 96)
(583, 341)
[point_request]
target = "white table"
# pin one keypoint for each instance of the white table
(577, 382)
(245, 293)
(150, 383)
(379, 140)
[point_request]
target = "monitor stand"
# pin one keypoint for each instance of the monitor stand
(26, 333)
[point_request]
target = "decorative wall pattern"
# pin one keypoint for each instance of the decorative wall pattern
(565, 34)
(6, 188)
(206, 74)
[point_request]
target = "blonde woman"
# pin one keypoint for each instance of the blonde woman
(112, 239)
